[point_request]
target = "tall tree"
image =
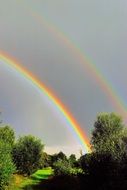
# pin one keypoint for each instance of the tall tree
(108, 134)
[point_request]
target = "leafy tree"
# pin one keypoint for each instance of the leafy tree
(7, 135)
(27, 154)
(62, 167)
(56, 157)
(72, 160)
(45, 160)
(108, 135)
(61, 156)
(6, 165)
(104, 168)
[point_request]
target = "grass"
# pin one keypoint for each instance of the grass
(41, 180)
(15, 182)
(20, 182)
(42, 174)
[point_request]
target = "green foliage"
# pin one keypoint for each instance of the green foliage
(61, 156)
(62, 167)
(106, 166)
(76, 171)
(27, 154)
(108, 134)
(45, 160)
(7, 135)
(56, 157)
(6, 165)
(72, 160)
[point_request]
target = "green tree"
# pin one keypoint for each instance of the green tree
(72, 160)
(105, 167)
(6, 165)
(27, 154)
(56, 157)
(62, 167)
(61, 156)
(108, 135)
(45, 160)
(7, 135)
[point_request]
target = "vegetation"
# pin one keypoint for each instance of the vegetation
(45, 160)
(107, 137)
(42, 174)
(105, 167)
(28, 167)
(55, 157)
(72, 160)
(27, 154)
(6, 164)
(7, 135)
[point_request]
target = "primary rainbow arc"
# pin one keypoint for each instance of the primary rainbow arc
(14, 64)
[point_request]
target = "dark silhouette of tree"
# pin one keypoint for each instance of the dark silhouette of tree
(105, 168)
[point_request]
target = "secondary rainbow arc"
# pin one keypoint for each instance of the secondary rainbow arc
(14, 64)
(115, 100)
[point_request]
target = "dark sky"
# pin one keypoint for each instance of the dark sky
(37, 33)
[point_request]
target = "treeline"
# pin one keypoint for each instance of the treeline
(104, 168)
(26, 155)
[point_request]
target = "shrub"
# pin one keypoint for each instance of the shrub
(63, 167)
(27, 154)
(7, 135)
(6, 165)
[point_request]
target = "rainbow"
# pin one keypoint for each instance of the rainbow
(14, 64)
(94, 72)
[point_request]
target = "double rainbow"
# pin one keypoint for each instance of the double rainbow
(78, 54)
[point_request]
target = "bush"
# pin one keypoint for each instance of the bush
(75, 171)
(7, 135)
(45, 160)
(63, 167)
(27, 154)
(6, 165)
(72, 160)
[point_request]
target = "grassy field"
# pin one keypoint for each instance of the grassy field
(44, 180)
(20, 182)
